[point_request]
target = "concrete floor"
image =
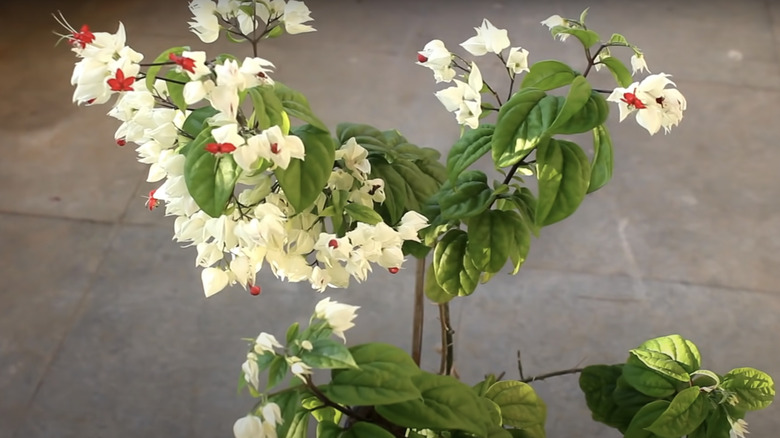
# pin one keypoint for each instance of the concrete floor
(104, 331)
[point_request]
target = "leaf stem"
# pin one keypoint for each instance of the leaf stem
(328, 402)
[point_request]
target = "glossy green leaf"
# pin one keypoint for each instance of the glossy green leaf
(619, 71)
(175, 87)
(433, 291)
(361, 213)
(292, 333)
(593, 113)
(328, 354)
(602, 163)
(470, 196)
(362, 429)
(754, 389)
(446, 404)
(521, 240)
(277, 371)
(531, 432)
(547, 75)
(579, 94)
(296, 105)
(688, 410)
(209, 179)
(195, 122)
(289, 403)
(482, 387)
(520, 406)
(395, 190)
(297, 426)
(618, 38)
(303, 180)
(563, 173)
(599, 382)
(647, 381)
(522, 124)
(153, 71)
(490, 239)
(587, 37)
(419, 185)
(468, 149)
(662, 363)
(327, 429)
(384, 377)
(454, 270)
(677, 348)
(644, 418)
(267, 108)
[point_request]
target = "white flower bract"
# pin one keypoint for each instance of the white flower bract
(489, 39)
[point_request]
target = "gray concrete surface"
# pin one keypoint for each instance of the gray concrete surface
(104, 331)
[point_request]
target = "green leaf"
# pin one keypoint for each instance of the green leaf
(522, 124)
(598, 382)
(482, 387)
(433, 290)
(361, 213)
(644, 418)
(446, 404)
(383, 377)
(547, 75)
(470, 196)
(755, 389)
(662, 363)
(298, 425)
(268, 108)
(564, 173)
(677, 348)
(592, 114)
(601, 165)
(687, 411)
(296, 105)
(209, 179)
(395, 190)
(619, 71)
(292, 332)
(327, 429)
(328, 354)
(472, 146)
(195, 122)
(289, 405)
(277, 372)
(176, 89)
(647, 381)
(716, 426)
(520, 406)
(152, 72)
(454, 270)
(587, 37)
(618, 38)
(303, 180)
(531, 432)
(490, 239)
(521, 240)
(579, 94)
(362, 429)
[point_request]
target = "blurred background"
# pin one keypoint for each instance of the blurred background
(104, 329)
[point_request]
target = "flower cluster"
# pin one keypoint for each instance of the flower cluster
(656, 106)
(464, 99)
(210, 17)
(262, 423)
(258, 225)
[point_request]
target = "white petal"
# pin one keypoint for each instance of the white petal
(214, 280)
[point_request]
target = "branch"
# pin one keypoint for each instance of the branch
(328, 402)
(447, 343)
(419, 312)
(552, 374)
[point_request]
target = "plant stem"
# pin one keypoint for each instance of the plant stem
(419, 311)
(447, 343)
(328, 402)
(552, 374)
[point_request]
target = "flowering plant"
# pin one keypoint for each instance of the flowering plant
(248, 188)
